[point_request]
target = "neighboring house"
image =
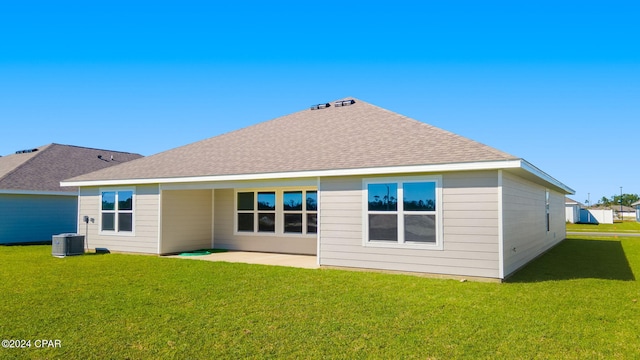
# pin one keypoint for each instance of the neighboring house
(637, 206)
(356, 185)
(621, 213)
(33, 206)
(627, 213)
(572, 210)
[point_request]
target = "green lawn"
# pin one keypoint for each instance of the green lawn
(627, 226)
(578, 301)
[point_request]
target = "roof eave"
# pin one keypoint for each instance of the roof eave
(530, 168)
(467, 166)
(38, 192)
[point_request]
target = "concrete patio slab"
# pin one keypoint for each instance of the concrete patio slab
(299, 261)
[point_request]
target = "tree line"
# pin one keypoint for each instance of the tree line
(627, 200)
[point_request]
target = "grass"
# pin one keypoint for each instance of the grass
(578, 301)
(627, 226)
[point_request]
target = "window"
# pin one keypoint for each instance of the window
(402, 212)
(277, 212)
(546, 197)
(300, 216)
(311, 204)
(258, 206)
(116, 211)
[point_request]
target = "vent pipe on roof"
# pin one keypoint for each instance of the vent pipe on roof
(344, 103)
(320, 106)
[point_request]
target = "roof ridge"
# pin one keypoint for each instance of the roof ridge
(92, 148)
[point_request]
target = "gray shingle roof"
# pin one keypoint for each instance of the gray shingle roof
(42, 170)
(361, 135)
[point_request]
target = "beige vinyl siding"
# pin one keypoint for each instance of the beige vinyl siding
(145, 221)
(470, 229)
(225, 237)
(186, 220)
(525, 229)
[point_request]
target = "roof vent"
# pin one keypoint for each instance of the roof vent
(320, 106)
(27, 151)
(343, 103)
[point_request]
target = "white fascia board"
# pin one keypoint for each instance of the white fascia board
(436, 168)
(38, 192)
(527, 166)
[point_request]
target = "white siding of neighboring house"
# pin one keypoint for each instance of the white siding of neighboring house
(36, 218)
(470, 231)
(146, 221)
(524, 218)
(186, 220)
(226, 238)
(572, 212)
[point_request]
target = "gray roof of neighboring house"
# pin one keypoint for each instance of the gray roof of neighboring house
(42, 168)
(569, 201)
(614, 207)
(636, 203)
(360, 135)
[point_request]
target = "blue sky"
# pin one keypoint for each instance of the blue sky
(556, 83)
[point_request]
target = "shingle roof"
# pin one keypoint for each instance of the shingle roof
(361, 135)
(42, 170)
(570, 201)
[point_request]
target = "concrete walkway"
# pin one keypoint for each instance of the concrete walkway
(299, 261)
(610, 234)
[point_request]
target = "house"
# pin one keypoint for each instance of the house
(620, 212)
(33, 206)
(353, 184)
(627, 212)
(572, 210)
(637, 206)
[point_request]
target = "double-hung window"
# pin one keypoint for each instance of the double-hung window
(116, 211)
(403, 212)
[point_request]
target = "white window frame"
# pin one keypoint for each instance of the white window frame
(437, 179)
(279, 212)
(116, 211)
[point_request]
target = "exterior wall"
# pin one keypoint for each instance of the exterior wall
(524, 221)
(470, 229)
(186, 220)
(224, 237)
(146, 221)
(35, 218)
(626, 215)
(572, 213)
(638, 213)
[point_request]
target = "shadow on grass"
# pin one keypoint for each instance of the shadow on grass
(578, 259)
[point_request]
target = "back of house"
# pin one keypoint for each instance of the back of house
(353, 184)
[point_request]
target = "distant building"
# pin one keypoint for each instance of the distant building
(637, 205)
(572, 210)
